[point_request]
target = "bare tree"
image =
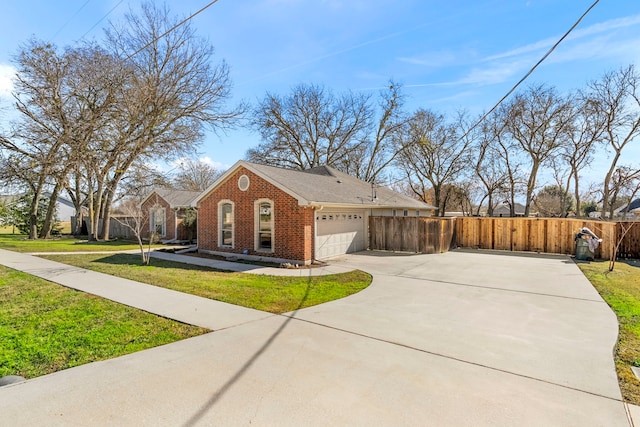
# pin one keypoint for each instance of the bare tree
(538, 121)
(433, 155)
(383, 142)
(312, 127)
(195, 175)
(172, 93)
(135, 220)
(38, 138)
(618, 97)
(584, 134)
(490, 167)
(623, 187)
(141, 179)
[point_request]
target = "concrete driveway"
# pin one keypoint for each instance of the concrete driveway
(457, 339)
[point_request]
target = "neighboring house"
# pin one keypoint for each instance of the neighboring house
(64, 207)
(631, 209)
(255, 211)
(164, 211)
(503, 210)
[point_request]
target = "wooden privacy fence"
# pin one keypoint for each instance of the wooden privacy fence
(411, 234)
(116, 228)
(630, 244)
(550, 235)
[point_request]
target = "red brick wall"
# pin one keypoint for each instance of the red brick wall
(293, 224)
(170, 217)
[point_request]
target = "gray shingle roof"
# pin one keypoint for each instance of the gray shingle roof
(325, 185)
(177, 198)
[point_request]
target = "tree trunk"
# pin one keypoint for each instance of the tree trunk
(531, 185)
(33, 210)
(49, 220)
(106, 216)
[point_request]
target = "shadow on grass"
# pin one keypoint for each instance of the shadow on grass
(631, 262)
(136, 260)
(209, 404)
(115, 243)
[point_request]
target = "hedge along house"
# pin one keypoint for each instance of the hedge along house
(164, 211)
(262, 212)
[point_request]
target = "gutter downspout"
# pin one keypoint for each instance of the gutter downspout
(317, 208)
(175, 223)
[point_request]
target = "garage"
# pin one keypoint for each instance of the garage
(339, 232)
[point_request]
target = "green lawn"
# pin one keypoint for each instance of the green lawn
(275, 294)
(46, 327)
(65, 228)
(20, 243)
(620, 288)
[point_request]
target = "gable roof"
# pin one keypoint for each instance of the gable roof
(635, 204)
(175, 198)
(325, 185)
(518, 209)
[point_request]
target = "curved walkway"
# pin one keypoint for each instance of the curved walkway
(460, 338)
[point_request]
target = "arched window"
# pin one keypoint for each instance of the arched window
(264, 225)
(158, 221)
(225, 228)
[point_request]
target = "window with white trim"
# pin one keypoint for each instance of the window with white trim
(264, 225)
(158, 222)
(225, 229)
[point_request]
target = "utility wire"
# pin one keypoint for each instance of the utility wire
(69, 20)
(485, 115)
(530, 71)
(184, 21)
(101, 19)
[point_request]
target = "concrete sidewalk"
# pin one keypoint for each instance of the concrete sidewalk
(175, 305)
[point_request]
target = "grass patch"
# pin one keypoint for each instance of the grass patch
(64, 226)
(20, 243)
(275, 294)
(45, 327)
(620, 288)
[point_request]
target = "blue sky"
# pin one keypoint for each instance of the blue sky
(448, 55)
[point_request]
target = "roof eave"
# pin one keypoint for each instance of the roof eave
(241, 163)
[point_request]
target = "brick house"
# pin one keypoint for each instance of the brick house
(262, 212)
(164, 210)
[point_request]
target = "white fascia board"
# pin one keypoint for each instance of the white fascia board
(217, 182)
(241, 163)
(148, 197)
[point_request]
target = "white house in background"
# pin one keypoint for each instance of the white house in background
(64, 207)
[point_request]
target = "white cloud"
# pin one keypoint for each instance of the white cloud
(435, 59)
(606, 28)
(597, 41)
(177, 163)
(7, 73)
(216, 165)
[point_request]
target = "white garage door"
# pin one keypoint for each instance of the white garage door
(339, 232)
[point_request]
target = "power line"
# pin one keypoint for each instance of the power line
(184, 21)
(101, 19)
(484, 116)
(70, 19)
